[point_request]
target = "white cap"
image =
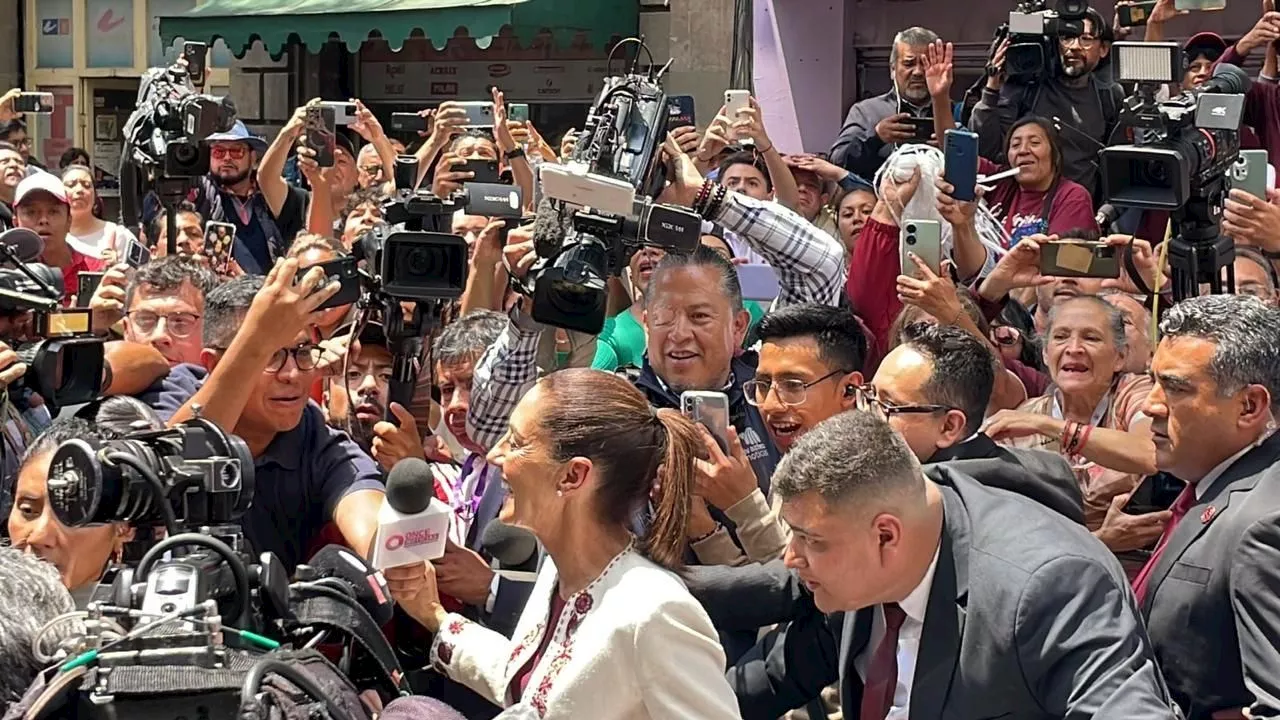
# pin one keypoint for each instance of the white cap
(40, 182)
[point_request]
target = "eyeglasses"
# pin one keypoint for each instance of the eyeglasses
(371, 169)
(791, 391)
(869, 401)
(306, 356)
(1084, 41)
(234, 152)
(179, 325)
(23, 143)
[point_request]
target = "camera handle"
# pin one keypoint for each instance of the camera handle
(405, 341)
(171, 192)
(10, 256)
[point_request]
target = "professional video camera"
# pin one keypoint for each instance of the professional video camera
(414, 258)
(196, 625)
(162, 143)
(1033, 32)
(171, 120)
(64, 357)
(1185, 146)
(601, 202)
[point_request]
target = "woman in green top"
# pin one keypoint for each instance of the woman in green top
(624, 332)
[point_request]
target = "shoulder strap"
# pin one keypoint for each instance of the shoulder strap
(1048, 202)
(1027, 100)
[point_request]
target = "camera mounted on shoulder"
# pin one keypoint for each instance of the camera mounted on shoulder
(601, 201)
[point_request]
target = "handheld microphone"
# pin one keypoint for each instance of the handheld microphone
(514, 551)
(369, 586)
(1107, 214)
(413, 523)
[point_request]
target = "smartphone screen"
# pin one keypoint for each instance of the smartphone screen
(219, 241)
(40, 103)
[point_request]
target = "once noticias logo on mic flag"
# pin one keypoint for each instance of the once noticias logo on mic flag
(408, 539)
(413, 538)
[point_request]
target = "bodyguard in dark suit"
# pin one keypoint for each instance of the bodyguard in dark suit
(954, 600)
(1211, 591)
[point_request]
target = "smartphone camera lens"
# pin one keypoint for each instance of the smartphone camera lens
(911, 229)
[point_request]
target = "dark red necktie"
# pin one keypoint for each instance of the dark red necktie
(882, 671)
(1185, 501)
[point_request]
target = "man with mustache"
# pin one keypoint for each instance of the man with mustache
(1086, 103)
(13, 168)
(876, 126)
(245, 187)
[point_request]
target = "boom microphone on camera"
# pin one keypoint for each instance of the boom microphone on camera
(368, 584)
(413, 523)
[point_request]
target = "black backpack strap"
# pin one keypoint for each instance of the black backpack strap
(355, 622)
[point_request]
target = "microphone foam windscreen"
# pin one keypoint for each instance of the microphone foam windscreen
(550, 227)
(512, 547)
(369, 585)
(25, 243)
(410, 486)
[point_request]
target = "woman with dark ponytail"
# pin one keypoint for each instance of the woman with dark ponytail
(610, 631)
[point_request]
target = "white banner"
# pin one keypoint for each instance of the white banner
(531, 81)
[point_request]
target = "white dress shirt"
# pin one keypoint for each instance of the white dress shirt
(1208, 480)
(914, 606)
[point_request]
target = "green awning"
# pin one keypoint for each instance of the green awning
(313, 22)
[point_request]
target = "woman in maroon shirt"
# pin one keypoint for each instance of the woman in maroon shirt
(1038, 200)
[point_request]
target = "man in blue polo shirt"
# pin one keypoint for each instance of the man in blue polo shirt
(258, 365)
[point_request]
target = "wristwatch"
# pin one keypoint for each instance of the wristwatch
(517, 153)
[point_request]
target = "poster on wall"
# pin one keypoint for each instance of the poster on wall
(53, 45)
(111, 109)
(111, 26)
(524, 81)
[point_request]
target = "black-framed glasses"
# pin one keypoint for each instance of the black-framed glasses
(305, 355)
(179, 324)
(868, 400)
(1084, 41)
(790, 391)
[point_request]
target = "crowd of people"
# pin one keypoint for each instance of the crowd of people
(935, 493)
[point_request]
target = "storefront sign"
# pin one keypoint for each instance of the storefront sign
(521, 80)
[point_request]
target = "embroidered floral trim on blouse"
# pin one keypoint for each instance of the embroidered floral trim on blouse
(579, 605)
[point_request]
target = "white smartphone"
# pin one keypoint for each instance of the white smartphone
(758, 282)
(711, 409)
(924, 239)
(344, 113)
(735, 100)
(479, 113)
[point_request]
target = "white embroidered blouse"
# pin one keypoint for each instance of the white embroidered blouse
(632, 645)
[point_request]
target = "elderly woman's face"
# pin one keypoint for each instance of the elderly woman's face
(80, 554)
(1081, 350)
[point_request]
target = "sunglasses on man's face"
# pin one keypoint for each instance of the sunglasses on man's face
(234, 152)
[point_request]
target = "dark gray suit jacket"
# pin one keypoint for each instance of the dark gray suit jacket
(1213, 600)
(1042, 476)
(1029, 616)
